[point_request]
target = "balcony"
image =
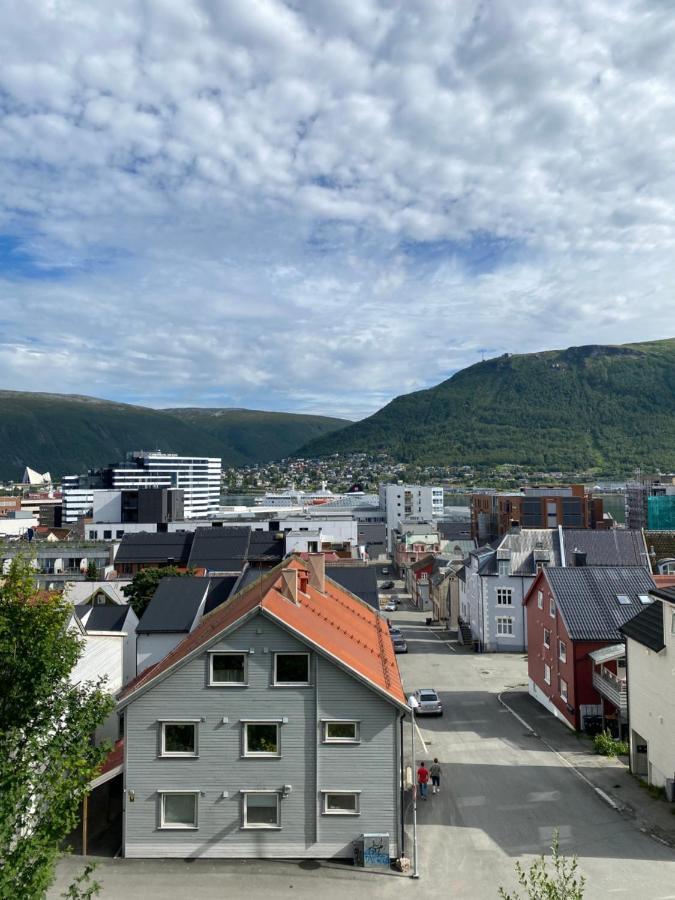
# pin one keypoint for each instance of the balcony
(611, 687)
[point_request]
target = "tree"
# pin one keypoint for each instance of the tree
(144, 584)
(540, 884)
(92, 571)
(47, 758)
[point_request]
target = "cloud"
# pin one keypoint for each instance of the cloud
(317, 206)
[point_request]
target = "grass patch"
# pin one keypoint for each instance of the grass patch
(606, 745)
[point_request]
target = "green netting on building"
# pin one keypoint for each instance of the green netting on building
(661, 513)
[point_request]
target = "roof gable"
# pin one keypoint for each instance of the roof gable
(647, 627)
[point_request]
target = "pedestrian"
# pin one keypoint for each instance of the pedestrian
(423, 780)
(435, 772)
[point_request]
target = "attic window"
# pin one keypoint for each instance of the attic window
(644, 599)
(623, 599)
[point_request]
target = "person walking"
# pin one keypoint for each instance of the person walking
(423, 780)
(435, 772)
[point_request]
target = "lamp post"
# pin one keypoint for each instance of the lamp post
(413, 704)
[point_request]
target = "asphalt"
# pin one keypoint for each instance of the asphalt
(504, 794)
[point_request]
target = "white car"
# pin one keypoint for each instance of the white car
(429, 703)
(390, 607)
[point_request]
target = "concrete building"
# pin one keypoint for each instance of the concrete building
(650, 655)
(644, 491)
(408, 503)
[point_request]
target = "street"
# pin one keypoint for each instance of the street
(503, 794)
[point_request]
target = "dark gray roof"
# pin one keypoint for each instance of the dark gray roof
(266, 546)
(360, 580)
(220, 589)
(522, 544)
(647, 627)
(145, 547)
(455, 531)
(102, 618)
(667, 594)
(587, 598)
(174, 605)
(220, 549)
(610, 547)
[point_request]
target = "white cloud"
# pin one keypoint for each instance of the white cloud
(318, 205)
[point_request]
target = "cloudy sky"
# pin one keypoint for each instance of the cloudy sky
(316, 205)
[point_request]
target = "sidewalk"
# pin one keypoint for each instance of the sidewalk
(610, 778)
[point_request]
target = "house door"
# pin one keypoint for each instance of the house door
(640, 755)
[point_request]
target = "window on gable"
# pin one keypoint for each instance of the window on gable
(563, 689)
(291, 668)
(261, 739)
(340, 732)
(504, 567)
(260, 809)
(540, 599)
(341, 803)
(547, 638)
(547, 673)
(227, 669)
(178, 739)
(178, 809)
(562, 651)
(551, 607)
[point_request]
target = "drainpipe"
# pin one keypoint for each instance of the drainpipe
(522, 597)
(402, 788)
(318, 797)
(631, 768)
(482, 616)
(561, 541)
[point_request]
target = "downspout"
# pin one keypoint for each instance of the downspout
(319, 736)
(402, 788)
(482, 616)
(522, 605)
(561, 541)
(629, 735)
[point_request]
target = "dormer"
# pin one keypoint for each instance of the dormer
(503, 561)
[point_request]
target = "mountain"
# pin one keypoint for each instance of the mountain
(610, 408)
(68, 434)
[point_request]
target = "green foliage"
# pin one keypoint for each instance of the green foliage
(61, 434)
(144, 584)
(92, 571)
(606, 745)
(560, 882)
(83, 888)
(608, 409)
(47, 758)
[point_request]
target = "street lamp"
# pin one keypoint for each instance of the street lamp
(413, 704)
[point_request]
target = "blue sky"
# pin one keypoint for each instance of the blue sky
(316, 206)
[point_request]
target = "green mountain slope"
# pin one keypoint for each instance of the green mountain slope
(607, 407)
(68, 434)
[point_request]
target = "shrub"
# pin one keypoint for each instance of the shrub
(606, 745)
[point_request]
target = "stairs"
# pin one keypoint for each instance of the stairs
(465, 636)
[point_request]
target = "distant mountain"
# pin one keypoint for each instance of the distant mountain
(605, 407)
(68, 434)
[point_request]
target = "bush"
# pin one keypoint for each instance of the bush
(606, 745)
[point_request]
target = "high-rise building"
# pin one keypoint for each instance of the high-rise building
(409, 503)
(198, 477)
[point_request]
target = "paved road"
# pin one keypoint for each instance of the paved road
(503, 795)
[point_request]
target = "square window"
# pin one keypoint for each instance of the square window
(291, 668)
(504, 597)
(547, 673)
(179, 810)
(341, 803)
(562, 651)
(261, 739)
(178, 739)
(107, 534)
(228, 669)
(260, 809)
(341, 732)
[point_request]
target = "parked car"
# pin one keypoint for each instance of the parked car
(384, 571)
(387, 585)
(400, 646)
(390, 607)
(395, 633)
(429, 703)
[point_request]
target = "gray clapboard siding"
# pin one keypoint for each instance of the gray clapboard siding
(306, 764)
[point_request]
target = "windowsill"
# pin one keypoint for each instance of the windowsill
(338, 741)
(292, 684)
(260, 828)
(178, 828)
(260, 756)
(335, 813)
(177, 756)
(227, 684)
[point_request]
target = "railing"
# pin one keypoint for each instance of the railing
(611, 686)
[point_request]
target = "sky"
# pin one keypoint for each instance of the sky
(317, 205)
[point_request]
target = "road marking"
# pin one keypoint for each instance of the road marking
(605, 797)
(447, 643)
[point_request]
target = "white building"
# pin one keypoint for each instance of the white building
(409, 502)
(650, 656)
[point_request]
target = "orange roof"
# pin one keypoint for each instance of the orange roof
(664, 581)
(337, 623)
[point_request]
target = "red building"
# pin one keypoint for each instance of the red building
(572, 613)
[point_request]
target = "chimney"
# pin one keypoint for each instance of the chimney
(317, 572)
(290, 586)
(579, 558)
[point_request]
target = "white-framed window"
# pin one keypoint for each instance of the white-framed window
(178, 738)
(341, 731)
(547, 638)
(341, 803)
(562, 651)
(505, 626)
(261, 739)
(563, 689)
(547, 673)
(551, 607)
(540, 599)
(260, 809)
(504, 567)
(672, 624)
(178, 809)
(504, 597)
(228, 669)
(291, 669)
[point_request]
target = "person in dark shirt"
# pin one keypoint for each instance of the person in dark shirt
(435, 772)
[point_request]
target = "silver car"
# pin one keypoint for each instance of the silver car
(429, 703)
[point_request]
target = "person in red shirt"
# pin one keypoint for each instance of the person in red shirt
(423, 780)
